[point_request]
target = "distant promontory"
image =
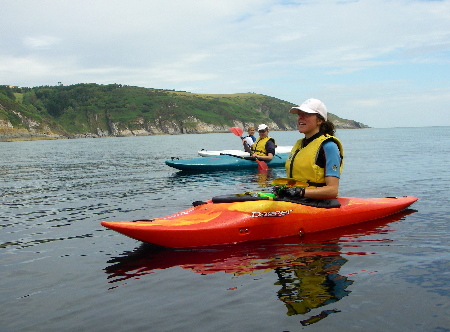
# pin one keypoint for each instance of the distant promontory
(94, 110)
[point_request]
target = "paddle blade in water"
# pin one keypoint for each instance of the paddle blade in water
(237, 131)
(262, 166)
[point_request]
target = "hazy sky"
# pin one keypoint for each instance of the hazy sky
(383, 63)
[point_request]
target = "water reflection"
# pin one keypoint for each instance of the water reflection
(312, 282)
(248, 176)
(306, 270)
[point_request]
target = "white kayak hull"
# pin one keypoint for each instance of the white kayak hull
(242, 153)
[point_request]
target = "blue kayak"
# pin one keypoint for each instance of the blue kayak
(223, 162)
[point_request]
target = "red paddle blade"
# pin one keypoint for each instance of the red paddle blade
(236, 130)
(262, 166)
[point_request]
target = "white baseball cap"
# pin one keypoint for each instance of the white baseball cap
(311, 106)
(263, 127)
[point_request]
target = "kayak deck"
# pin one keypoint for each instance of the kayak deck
(220, 223)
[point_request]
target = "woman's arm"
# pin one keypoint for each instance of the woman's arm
(264, 158)
(330, 190)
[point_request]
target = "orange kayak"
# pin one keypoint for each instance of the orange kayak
(227, 220)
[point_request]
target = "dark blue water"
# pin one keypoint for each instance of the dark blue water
(62, 271)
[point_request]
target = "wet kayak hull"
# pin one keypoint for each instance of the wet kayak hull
(222, 162)
(222, 223)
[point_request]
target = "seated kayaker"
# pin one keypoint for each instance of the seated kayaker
(264, 147)
(250, 138)
(316, 159)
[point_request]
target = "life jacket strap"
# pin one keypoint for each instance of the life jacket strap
(316, 184)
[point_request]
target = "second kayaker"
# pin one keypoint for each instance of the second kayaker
(264, 147)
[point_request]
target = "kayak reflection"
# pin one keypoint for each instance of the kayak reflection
(306, 269)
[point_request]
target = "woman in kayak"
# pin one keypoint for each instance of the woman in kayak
(264, 147)
(250, 138)
(316, 159)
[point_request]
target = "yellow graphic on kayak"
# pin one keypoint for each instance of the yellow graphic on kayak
(268, 206)
(189, 219)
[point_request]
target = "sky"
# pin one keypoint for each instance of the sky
(385, 63)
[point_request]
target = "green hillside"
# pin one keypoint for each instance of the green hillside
(84, 110)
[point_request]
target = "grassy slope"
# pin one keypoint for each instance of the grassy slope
(82, 108)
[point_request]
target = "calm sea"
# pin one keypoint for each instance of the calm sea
(61, 271)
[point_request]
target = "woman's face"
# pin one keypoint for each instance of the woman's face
(308, 123)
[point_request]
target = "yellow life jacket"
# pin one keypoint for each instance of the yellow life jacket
(301, 162)
(259, 147)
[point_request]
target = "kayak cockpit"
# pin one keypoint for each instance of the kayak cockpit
(244, 197)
